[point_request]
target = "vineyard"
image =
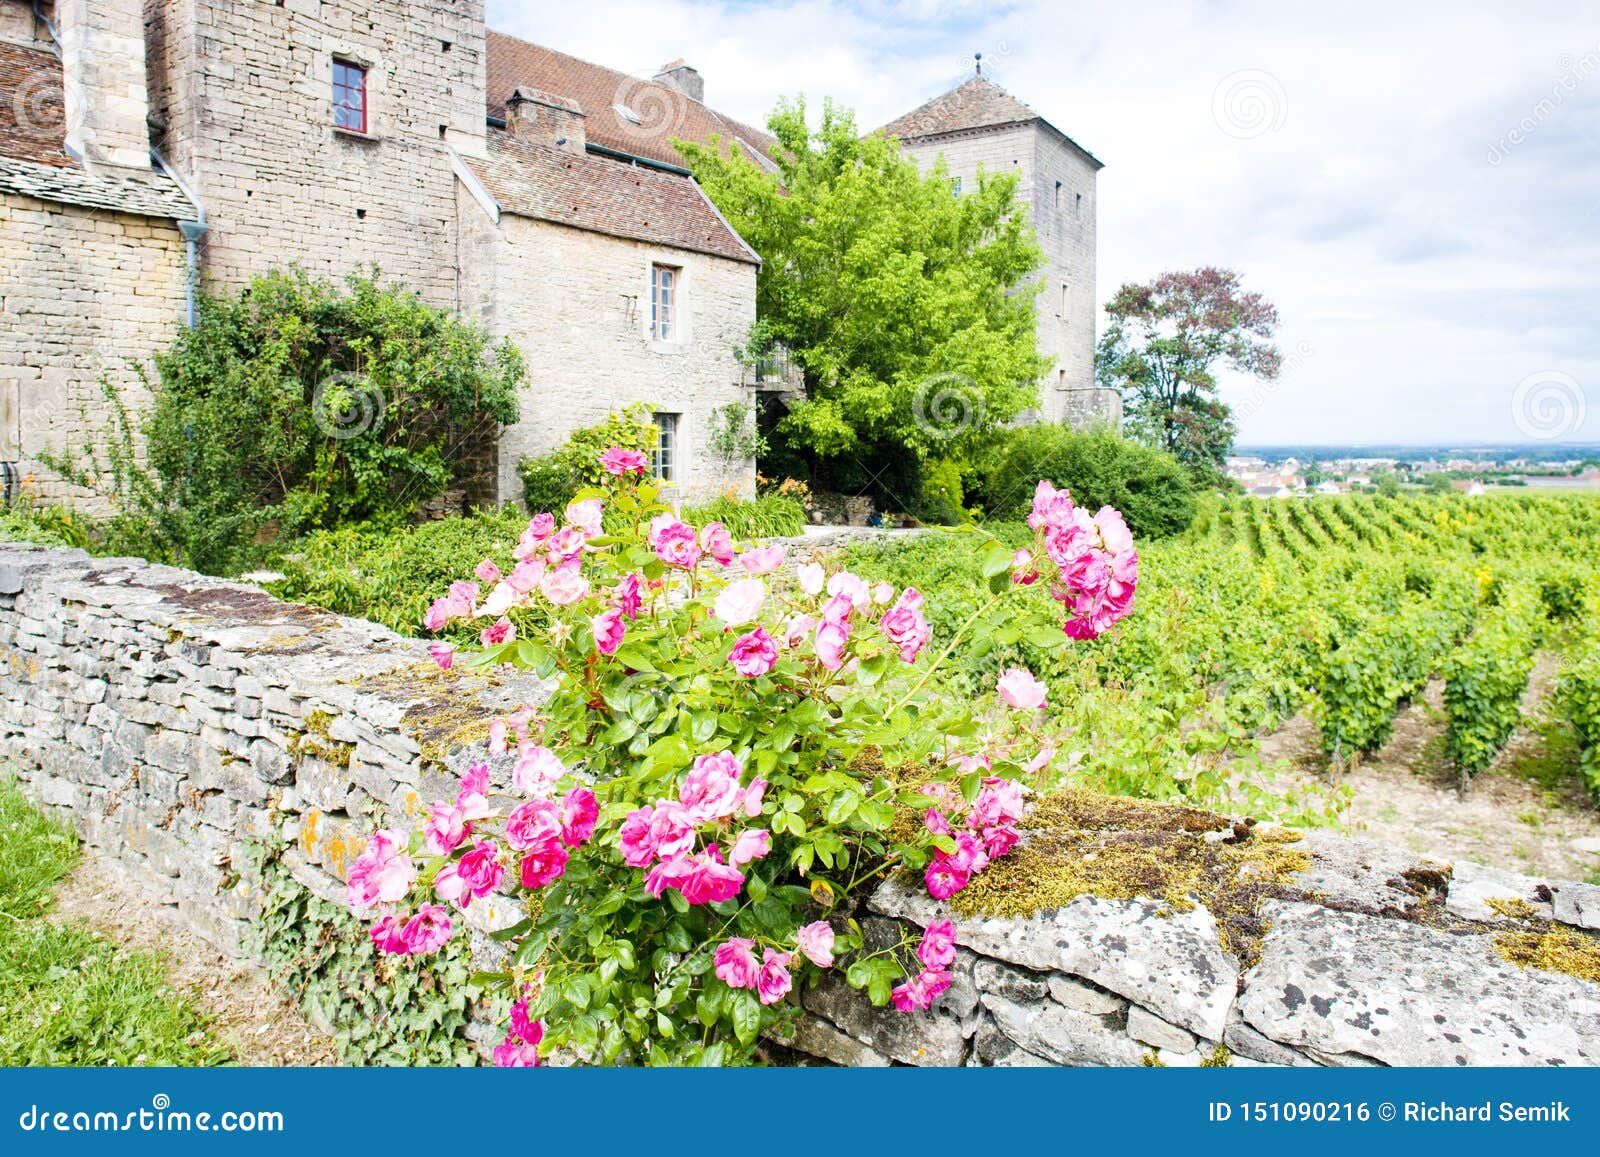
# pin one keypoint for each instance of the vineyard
(1336, 610)
(1346, 607)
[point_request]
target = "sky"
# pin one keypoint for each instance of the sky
(1415, 186)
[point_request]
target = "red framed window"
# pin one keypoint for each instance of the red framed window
(349, 96)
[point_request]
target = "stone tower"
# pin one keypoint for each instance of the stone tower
(978, 125)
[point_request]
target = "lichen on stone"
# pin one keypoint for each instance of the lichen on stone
(1080, 843)
(1552, 949)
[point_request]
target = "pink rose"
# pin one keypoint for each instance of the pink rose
(938, 947)
(565, 546)
(735, 963)
(773, 981)
(669, 873)
(1020, 690)
(837, 610)
(586, 516)
(540, 527)
(999, 801)
(543, 864)
(752, 797)
(711, 789)
(763, 561)
(537, 769)
(501, 632)
(944, 878)
(382, 874)
(526, 576)
(798, 630)
(674, 542)
(497, 737)
(934, 982)
(636, 839)
(427, 931)
(1023, 571)
(443, 654)
(852, 587)
(717, 542)
(830, 644)
(533, 824)
(626, 596)
(739, 602)
(579, 813)
(480, 869)
(755, 654)
(999, 840)
(475, 780)
(711, 881)
(750, 846)
(514, 1054)
(437, 616)
(913, 995)
(487, 571)
(882, 593)
(904, 625)
(969, 855)
(608, 631)
(812, 577)
(386, 937)
(672, 829)
(618, 462)
(815, 942)
(1114, 533)
(447, 826)
(935, 822)
(523, 1026)
(564, 586)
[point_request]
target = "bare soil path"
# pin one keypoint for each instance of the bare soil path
(1527, 812)
(256, 1021)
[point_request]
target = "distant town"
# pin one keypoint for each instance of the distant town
(1293, 471)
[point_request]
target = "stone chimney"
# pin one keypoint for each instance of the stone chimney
(542, 118)
(103, 70)
(676, 74)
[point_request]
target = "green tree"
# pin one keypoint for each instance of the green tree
(1160, 346)
(908, 311)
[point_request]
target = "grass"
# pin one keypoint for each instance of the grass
(67, 995)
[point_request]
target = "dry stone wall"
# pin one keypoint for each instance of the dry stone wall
(178, 719)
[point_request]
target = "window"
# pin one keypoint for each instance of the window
(1066, 301)
(1077, 204)
(664, 302)
(664, 460)
(349, 96)
(1058, 194)
(955, 186)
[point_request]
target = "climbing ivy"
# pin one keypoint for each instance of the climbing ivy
(385, 1010)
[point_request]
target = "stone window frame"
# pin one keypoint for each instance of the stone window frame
(667, 457)
(682, 303)
(371, 90)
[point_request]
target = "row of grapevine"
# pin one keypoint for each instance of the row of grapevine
(1578, 698)
(1485, 678)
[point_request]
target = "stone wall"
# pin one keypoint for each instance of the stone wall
(178, 719)
(85, 295)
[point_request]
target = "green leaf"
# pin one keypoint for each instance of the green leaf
(746, 1015)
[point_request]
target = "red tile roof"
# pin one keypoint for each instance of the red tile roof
(33, 115)
(605, 195)
(664, 114)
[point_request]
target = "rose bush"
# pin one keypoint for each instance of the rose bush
(727, 760)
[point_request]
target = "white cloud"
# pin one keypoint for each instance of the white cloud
(1352, 182)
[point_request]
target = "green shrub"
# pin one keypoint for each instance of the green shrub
(770, 516)
(550, 480)
(45, 526)
(293, 405)
(391, 575)
(1151, 489)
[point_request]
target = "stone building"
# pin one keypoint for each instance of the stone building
(148, 145)
(144, 143)
(979, 127)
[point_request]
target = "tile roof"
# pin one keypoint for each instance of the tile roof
(34, 163)
(604, 195)
(977, 103)
(664, 113)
